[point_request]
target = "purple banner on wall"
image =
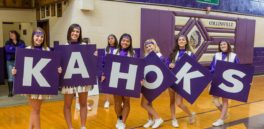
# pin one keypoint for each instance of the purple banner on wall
(158, 77)
(37, 72)
(232, 81)
(78, 64)
(123, 76)
(192, 78)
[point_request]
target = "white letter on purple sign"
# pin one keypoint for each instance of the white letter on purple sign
(30, 71)
(237, 85)
(116, 74)
(76, 57)
(159, 79)
(183, 74)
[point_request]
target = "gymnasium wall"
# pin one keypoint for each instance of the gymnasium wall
(119, 17)
(107, 17)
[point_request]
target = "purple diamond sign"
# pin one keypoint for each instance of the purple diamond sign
(232, 80)
(158, 77)
(192, 78)
(78, 64)
(37, 72)
(123, 76)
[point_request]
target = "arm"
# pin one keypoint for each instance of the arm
(212, 65)
(236, 60)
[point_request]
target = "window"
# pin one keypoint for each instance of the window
(47, 10)
(59, 9)
(53, 11)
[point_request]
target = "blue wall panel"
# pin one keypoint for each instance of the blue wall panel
(250, 7)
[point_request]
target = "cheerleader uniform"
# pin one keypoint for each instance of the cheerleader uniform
(223, 56)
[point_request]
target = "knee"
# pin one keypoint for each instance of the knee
(118, 103)
(83, 104)
(126, 102)
(180, 104)
(172, 102)
(67, 106)
(36, 111)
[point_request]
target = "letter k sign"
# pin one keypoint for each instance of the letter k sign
(30, 71)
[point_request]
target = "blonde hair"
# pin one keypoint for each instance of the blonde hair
(151, 41)
(44, 43)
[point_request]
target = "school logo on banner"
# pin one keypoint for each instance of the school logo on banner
(232, 80)
(123, 76)
(192, 78)
(37, 72)
(78, 64)
(158, 77)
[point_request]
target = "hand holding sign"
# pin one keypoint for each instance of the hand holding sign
(35, 72)
(192, 78)
(78, 64)
(157, 77)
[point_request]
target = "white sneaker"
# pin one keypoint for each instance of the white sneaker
(118, 123)
(83, 127)
(219, 122)
(157, 123)
(122, 126)
(148, 124)
(174, 123)
(106, 104)
(192, 118)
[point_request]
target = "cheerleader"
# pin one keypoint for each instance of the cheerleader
(154, 119)
(225, 54)
(122, 103)
(181, 47)
(112, 44)
(74, 37)
(38, 43)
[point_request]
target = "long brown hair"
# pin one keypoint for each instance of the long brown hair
(108, 44)
(229, 49)
(130, 48)
(71, 28)
(177, 47)
(17, 35)
(44, 43)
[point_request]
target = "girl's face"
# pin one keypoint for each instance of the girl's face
(111, 41)
(150, 47)
(12, 36)
(182, 42)
(75, 34)
(224, 46)
(125, 43)
(38, 39)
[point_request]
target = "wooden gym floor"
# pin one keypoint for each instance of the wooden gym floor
(241, 115)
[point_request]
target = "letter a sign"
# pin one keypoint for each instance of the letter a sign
(37, 72)
(78, 65)
(192, 78)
